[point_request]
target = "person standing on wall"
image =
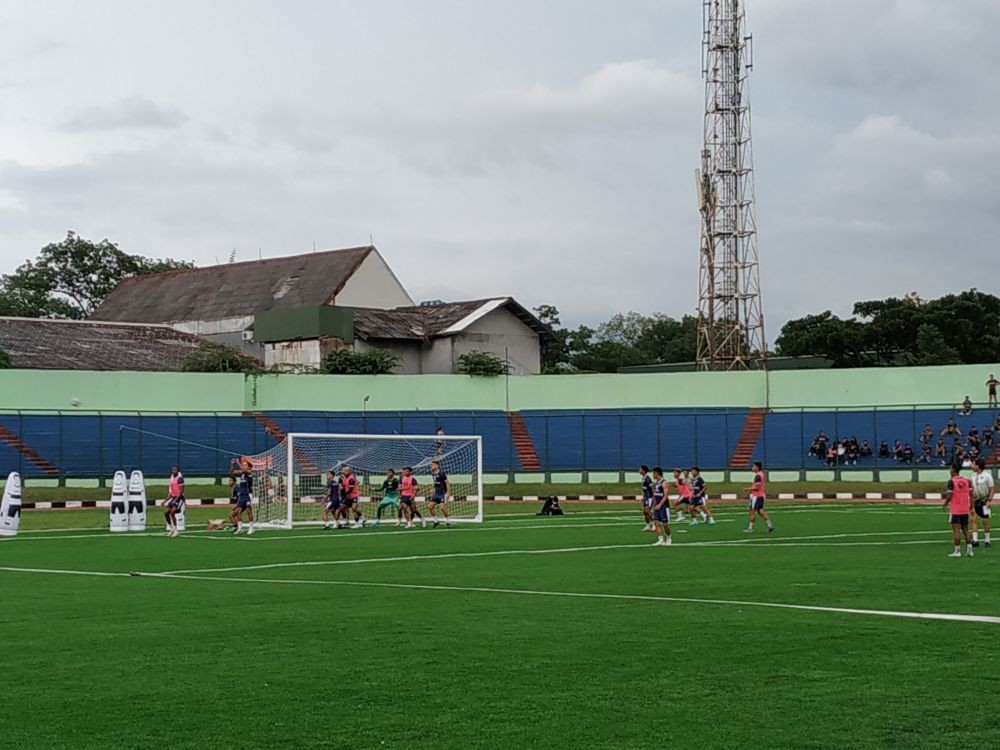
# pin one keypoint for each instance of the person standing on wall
(991, 390)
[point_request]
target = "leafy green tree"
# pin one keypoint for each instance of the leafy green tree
(554, 354)
(368, 362)
(69, 279)
(210, 356)
(842, 341)
(931, 349)
(482, 364)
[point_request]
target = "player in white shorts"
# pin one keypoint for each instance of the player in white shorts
(982, 497)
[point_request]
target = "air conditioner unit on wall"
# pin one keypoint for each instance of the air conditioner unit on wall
(248, 335)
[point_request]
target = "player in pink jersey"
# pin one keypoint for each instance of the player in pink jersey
(758, 494)
(175, 499)
(958, 502)
(683, 493)
(408, 497)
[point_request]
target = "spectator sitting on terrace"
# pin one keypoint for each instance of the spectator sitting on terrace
(925, 456)
(883, 450)
(951, 428)
(966, 461)
(927, 435)
(907, 454)
(897, 451)
(956, 448)
(974, 432)
(831, 456)
(974, 452)
(996, 423)
(816, 449)
(822, 442)
(866, 450)
(939, 450)
(853, 451)
(841, 450)
(966, 406)
(987, 436)
(972, 442)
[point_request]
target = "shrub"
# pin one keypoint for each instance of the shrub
(5, 361)
(370, 362)
(482, 364)
(213, 357)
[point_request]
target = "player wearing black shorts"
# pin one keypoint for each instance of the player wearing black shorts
(331, 501)
(442, 489)
(647, 497)
(349, 496)
(983, 489)
(661, 509)
(758, 495)
(699, 498)
(242, 471)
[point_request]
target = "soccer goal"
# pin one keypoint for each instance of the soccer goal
(290, 478)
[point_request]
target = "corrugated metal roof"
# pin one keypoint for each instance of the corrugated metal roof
(445, 319)
(42, 344)
(232, 290)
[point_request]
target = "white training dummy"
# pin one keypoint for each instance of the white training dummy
(119, 511)
(136, 502)
(10, 507)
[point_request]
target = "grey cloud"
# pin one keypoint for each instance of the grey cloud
(129, 113)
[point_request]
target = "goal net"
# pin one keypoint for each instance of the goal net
(301, 461)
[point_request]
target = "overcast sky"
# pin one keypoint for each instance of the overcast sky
(544, 150)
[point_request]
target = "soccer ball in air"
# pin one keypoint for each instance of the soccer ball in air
(74, 401)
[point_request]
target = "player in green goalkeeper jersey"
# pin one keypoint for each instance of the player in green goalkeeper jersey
(390, 497)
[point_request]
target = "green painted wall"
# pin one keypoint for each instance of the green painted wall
(386, 392)
(889, 386)
(137, 391)
(120, 391)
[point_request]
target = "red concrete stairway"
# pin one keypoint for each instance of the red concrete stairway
(28, 452)
(743, 451)
(277, 434)
(523, 443)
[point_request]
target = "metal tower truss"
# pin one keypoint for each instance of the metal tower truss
(730, 320)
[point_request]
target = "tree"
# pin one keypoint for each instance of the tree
(931, 349)
(69, 279)
(5, 360)
(553, 353)
(962, 328)
(482, 364)
(368, 362)
(212, 357)
(842, 341)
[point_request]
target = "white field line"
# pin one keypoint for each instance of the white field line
(57, 571)
(769, 542)
(567, 520)
(402, 558)
(988, 619)
(992, 620)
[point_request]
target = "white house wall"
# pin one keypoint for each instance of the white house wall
(409, 353)
(495, 332)
(373, 285)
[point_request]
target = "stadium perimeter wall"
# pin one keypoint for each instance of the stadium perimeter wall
(43, 390)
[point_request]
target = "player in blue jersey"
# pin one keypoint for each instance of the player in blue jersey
(661, 509)
(699, 498)
(442, 490)
(331, 501)
(647, 497)
(242, 471)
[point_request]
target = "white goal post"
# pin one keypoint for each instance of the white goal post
(290, 479)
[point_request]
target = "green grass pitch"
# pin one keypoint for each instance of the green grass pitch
(532, 632)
